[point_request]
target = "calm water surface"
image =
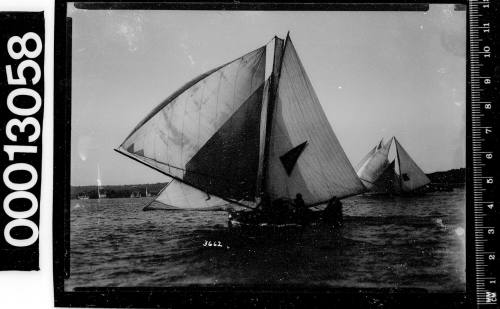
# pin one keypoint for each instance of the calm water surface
(385, 242)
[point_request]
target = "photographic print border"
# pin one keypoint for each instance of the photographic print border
(230, 295)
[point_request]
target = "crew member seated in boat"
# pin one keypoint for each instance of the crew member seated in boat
(262, 208)
(301, 211)
(333, 212)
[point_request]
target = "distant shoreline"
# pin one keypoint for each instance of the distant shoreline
(452, 178)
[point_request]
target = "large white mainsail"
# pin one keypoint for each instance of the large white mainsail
(411, 177)
(207, 133)
(375, 165)
(305, 156)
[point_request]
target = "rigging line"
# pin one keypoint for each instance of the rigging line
(260, 63)
(217, 102)
(368, 181)
(157, 195)
(199, 115)
(271, 40)
(164, 137)
(182, 130)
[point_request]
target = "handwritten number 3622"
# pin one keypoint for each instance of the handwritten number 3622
(212, 244)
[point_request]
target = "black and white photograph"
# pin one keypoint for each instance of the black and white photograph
(269, 149)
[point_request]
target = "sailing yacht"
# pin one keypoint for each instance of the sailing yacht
(249, 128)
(400, 176)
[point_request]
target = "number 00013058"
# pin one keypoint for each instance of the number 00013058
(23, 103)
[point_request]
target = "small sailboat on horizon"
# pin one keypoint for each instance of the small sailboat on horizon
(82, 196)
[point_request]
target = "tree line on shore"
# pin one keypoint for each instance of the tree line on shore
(451, 178)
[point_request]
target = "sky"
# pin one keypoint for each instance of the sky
(376, 74)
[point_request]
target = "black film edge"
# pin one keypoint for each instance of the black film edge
(21, 115)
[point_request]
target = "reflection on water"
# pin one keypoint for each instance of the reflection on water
(385, 242)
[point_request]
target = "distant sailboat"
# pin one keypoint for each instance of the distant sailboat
(373, 165)
(249, 128)
(135, 194)
(83, 196)
(401, 175)
(409, 176)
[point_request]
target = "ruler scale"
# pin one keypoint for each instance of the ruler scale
(481, 94)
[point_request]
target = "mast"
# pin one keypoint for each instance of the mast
(279, 48)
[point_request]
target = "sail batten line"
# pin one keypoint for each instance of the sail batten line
(399, 164)
(372, 182)
(159, 193)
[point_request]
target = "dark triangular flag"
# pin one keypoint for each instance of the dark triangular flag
(290, 158)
